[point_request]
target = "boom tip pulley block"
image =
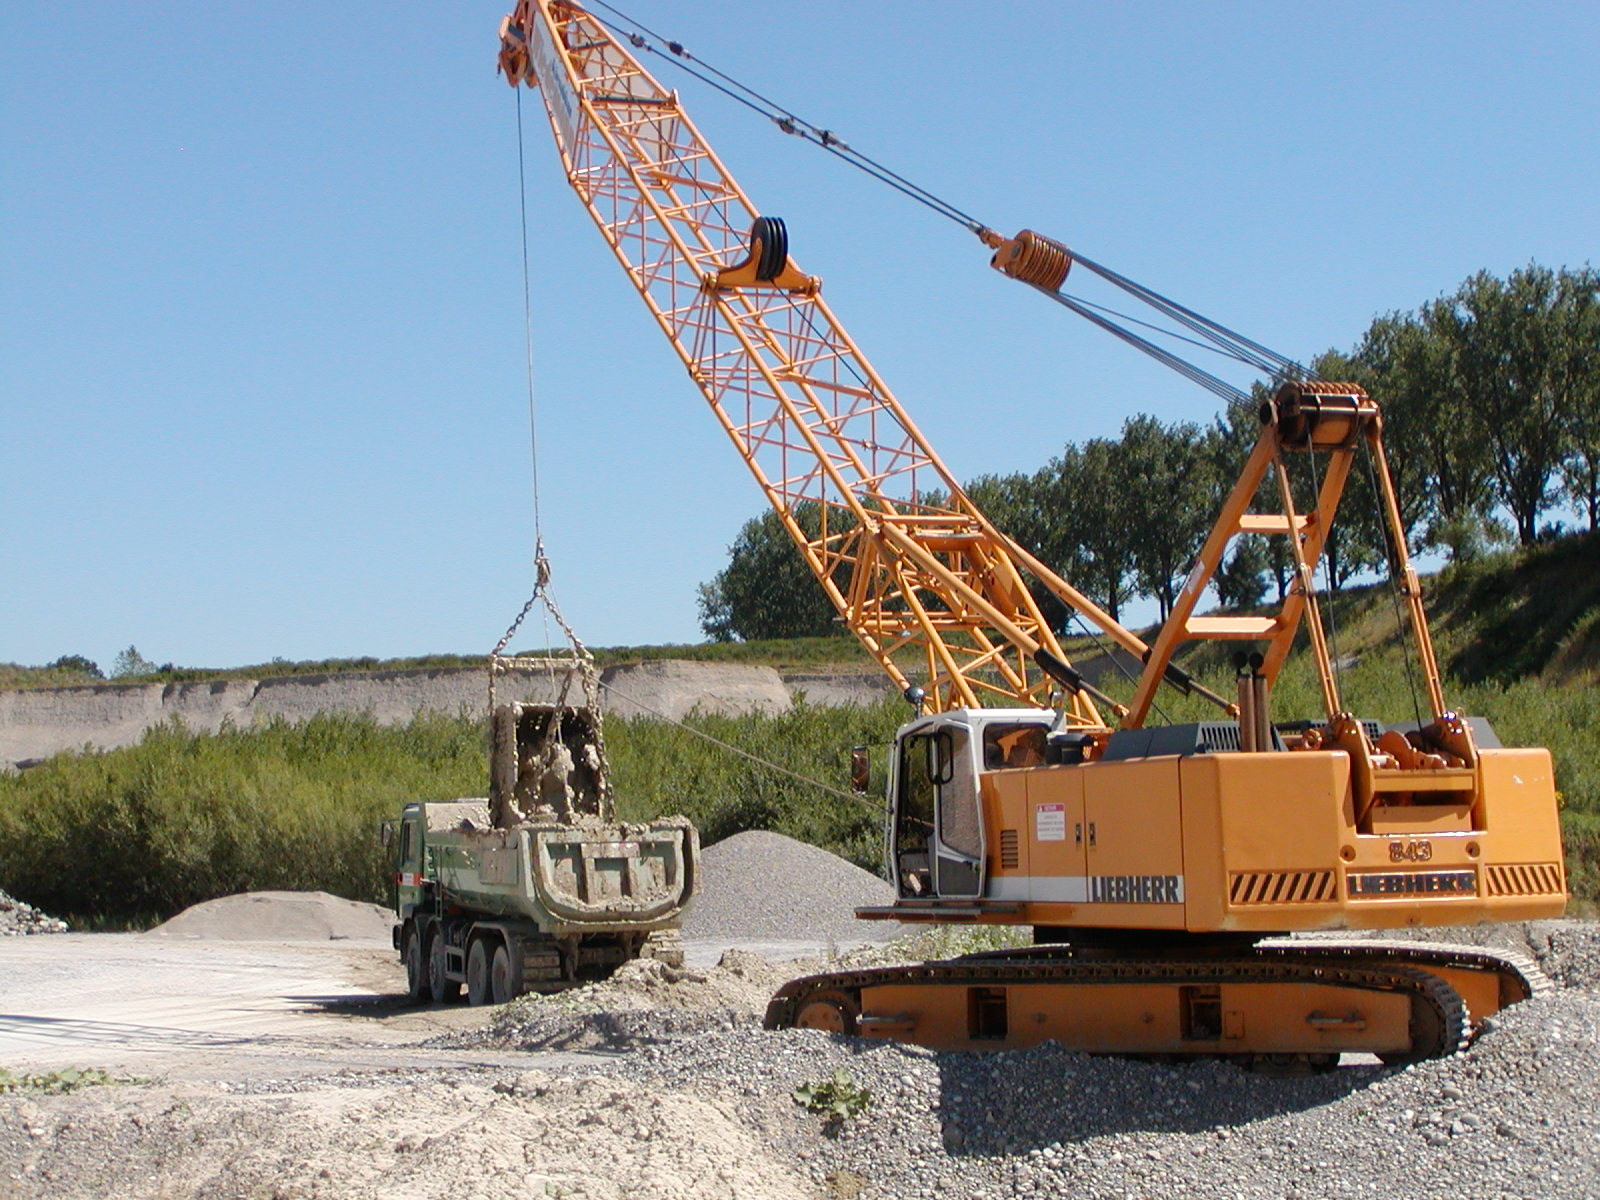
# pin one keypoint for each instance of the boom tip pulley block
(767, 264)
(1031, 257)
(1318, 415)
(515, 62)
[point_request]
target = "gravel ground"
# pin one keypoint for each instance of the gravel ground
(676, 1093)
(660, 1085)
(18, 919)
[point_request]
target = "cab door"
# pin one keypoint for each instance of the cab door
(958, 860)
(409, 876)
(937, 836)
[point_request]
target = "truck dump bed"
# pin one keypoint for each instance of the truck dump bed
(585, 877)
(537, 887)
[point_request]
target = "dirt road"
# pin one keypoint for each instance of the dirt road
(213, 1009)
(290, 1069)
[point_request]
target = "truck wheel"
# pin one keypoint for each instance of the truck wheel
(416, 967)
(441, 989)
(505, 976)
(478, 972)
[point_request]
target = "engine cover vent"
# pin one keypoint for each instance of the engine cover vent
(1524, 879)
(1282, 887)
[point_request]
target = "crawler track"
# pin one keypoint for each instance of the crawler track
(1305, 1001)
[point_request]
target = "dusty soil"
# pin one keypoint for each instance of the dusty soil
(287, 1068)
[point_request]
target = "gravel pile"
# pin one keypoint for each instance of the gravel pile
(1517, 1116)
(688, 1099)
(18, 919)
(785, 896)
(644, 1002)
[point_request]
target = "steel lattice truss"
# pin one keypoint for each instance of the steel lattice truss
(889, 534)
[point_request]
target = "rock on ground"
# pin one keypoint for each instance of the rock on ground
(18, 919)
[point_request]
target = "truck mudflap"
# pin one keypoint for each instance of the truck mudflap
(616, 875)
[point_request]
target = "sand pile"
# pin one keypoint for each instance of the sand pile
(280, 917)
(644, 1001)
(765, 890)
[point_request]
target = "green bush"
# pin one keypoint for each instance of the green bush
(660, 768)
(182, 817)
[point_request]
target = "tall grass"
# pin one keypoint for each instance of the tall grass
(659, 768)
(182, 817)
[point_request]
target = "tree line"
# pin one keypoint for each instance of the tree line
(1490, 398)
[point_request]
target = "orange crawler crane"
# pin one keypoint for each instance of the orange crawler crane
(1155, 864)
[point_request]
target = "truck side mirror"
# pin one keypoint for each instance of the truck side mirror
(386, 834)
(860, 769)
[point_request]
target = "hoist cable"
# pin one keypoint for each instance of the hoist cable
(786, 120)
(1250, 351)
(1188, 370)
(740, 752)
(1221, 339)
(1110, 653)
(527, 330)
(1209, 344)
(541, 564)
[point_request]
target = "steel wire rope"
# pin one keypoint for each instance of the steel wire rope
(1223, 340)
(1392, 557)
(1208, 345)
(582, 660)
(786, 120)
(1327, 574)
(740, 752)
(1262, 357)
(1122, 667)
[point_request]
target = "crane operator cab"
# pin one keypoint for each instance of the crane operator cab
(937, 833)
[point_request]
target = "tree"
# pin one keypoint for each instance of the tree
(767, 590)
(1503, 339)
(130, 663)
(1577, 372)
(1241, 580)
(1084, 491)
(1169, 475)
(1357, 539)
(1020, 507)
(77, 664)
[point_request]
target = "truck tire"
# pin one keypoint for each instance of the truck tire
(416, 966)
(505, 976)
(478, 972)
(441, 989)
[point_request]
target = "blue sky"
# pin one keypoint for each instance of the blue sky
(261, 361)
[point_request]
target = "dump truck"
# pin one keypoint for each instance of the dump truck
(536, 887)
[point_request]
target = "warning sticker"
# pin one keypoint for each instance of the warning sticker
(1049, 822)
